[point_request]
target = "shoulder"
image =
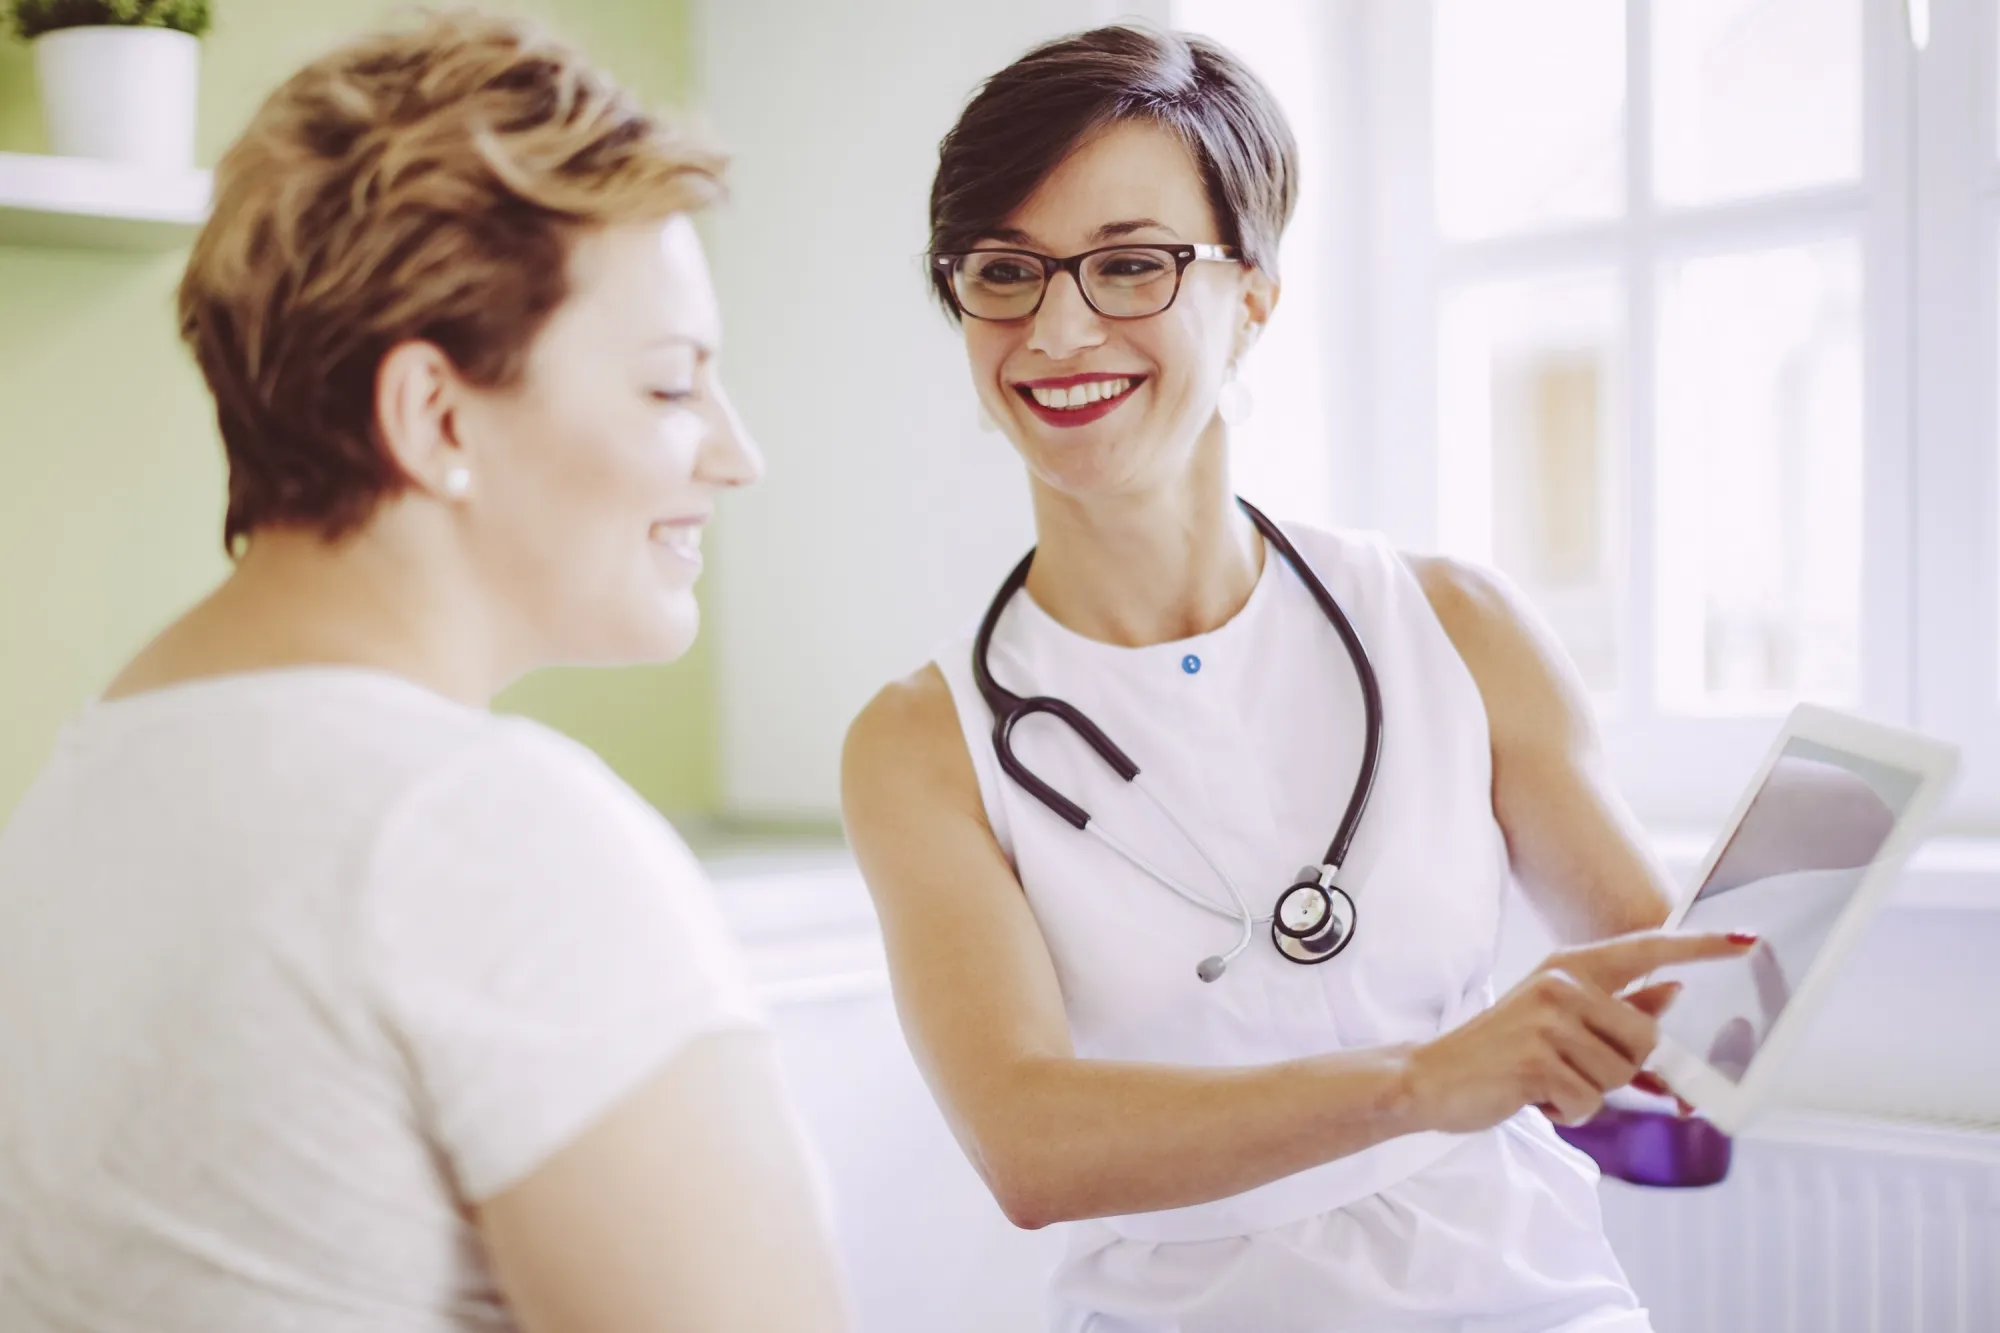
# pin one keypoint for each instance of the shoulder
(910, 723)
(524, 876)
(1468, 599)
(1482, 612)
(907, 739)
(526, 751)
(536, 941)
(527, 806)
(1514, 657)
(520, 765)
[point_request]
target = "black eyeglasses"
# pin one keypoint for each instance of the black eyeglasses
(1117, 281)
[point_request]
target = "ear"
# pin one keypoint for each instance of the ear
(1260, 298)
(416, 388)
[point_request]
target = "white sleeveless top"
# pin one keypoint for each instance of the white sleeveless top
(1252, 735)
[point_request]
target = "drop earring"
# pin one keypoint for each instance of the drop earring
(1233, 401)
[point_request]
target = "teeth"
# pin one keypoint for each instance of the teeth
(686, 537)
(1080, 395)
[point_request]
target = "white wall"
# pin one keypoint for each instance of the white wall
(1297, 455)
(887, 518)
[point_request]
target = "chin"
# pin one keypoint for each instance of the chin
(649, 635)
(1087, 474)
(673, 630)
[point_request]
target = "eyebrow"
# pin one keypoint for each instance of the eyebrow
(1110, 231)
(702, 349)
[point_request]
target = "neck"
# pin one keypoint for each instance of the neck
(366, 600)
(1149, 566)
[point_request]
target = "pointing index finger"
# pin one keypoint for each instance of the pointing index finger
(1616, 963)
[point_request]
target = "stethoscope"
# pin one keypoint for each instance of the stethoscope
(1314, 918)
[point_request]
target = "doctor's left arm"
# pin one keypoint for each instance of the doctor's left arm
(1576, 848)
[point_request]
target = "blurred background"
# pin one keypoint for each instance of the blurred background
(1681, 312)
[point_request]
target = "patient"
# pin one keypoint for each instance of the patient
(328, 999)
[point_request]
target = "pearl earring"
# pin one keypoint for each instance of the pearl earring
(457, 482)
(1233, 401)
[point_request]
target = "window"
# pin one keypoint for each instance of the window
(1657, 286)
(1956, 237)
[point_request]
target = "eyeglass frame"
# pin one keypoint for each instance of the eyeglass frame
(1184, 254)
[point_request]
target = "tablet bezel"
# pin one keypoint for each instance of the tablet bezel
(1730, 1104)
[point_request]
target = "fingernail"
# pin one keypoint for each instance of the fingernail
(1742, 937)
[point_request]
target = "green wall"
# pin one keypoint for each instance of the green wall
(111, 477)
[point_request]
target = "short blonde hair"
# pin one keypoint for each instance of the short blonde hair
(425, 183)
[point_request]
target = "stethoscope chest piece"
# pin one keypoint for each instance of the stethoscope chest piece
(1315, 917)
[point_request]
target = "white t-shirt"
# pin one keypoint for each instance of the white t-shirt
(295, 967)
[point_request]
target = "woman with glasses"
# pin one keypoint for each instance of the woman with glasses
(1270, 1098)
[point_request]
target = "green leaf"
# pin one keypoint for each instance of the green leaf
(32, 18)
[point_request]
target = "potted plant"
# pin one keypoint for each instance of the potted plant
(117, 77)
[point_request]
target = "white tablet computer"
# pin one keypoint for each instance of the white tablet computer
(1812, 849)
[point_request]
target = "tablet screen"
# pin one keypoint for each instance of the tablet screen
(1796, 859)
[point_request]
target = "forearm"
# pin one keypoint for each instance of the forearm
(1090, 1138)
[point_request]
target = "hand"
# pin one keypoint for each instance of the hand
(1561, 1039)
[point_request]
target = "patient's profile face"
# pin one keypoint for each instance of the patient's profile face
(597, 471)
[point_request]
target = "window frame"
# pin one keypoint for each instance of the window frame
(1957, 425)
(1677, 771)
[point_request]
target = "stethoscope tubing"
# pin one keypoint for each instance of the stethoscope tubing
(1009, 709)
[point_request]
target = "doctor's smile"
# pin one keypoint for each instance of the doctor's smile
(1076, 400)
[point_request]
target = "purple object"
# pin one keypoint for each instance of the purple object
(1645, 1147)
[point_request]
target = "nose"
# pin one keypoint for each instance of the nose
(729, 456)
(1065, 325)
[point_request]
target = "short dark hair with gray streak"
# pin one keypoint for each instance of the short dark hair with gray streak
(1025, 120)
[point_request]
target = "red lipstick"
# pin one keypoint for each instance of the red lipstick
(1076, 416)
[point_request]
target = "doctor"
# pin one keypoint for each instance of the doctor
(1306, 1117)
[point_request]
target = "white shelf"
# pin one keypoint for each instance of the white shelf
(77, 203)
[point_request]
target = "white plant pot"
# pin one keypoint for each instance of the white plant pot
(123, 94)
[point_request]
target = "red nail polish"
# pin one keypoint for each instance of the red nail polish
(1742, 937)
